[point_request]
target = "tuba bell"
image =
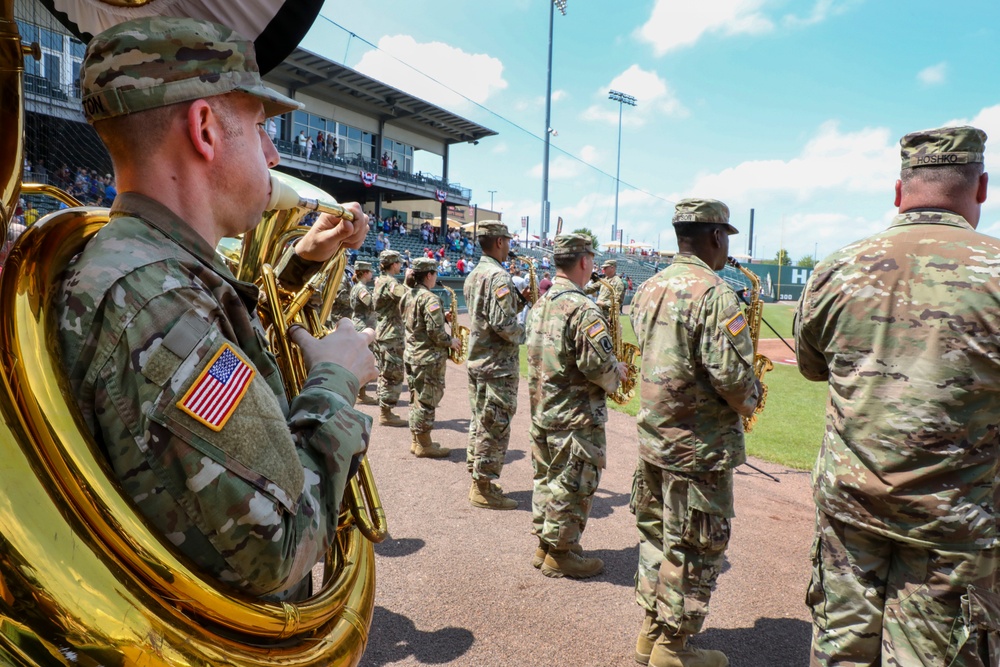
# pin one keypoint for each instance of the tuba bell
(627, 353)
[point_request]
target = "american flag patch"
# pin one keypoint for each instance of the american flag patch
(213, 397)
(502, 292)
(595, 329)
(434, 306)
(737, 324)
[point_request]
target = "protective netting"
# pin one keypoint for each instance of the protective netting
(60, 148)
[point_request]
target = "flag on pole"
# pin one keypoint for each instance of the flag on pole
(558, 225)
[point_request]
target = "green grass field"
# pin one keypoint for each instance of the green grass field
(790, 428)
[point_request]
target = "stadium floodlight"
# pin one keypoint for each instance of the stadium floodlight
(561, 6)
(622, 100)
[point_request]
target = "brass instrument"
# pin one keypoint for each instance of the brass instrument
(532, 283)
(457, 331)
(754, 313)
(83, 578)
(627, 353)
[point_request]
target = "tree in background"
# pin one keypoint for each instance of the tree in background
(807, 262)
(592, 235)
(782, 258)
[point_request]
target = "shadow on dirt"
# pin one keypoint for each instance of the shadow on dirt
(779, 642)
(394, 637)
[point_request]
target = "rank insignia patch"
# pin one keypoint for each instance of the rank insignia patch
(502, 292)
(737, 324)
(213, 397)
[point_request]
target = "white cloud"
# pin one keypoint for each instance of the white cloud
(933, 75)
(654, 99)
(476, 76)
(673, 25)
(863, 161)
(561, 168)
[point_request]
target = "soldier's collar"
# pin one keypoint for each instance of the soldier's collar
(171, 225)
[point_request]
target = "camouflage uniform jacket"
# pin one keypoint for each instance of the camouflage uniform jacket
(571, 361)
(362, 307)
(143, 312)
(342, 303)
(604, 294)
(697, 369)
(495, 334)
(386, 295)
(904, 326)
(427, 338)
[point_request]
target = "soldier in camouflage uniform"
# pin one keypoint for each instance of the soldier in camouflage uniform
(427, 345)
(571, 369)
(904, 327)
(494, 345)
(363, 310)
(610, 268)
(164, 351)
(697, 382)
(389, 337)
(342, 303)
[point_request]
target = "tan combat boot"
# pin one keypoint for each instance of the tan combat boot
(543, 548)
(423, 448)
(365, 399)
(485, 493)
(565, 563)
(387, 418)
(648, 635)
(673, 651)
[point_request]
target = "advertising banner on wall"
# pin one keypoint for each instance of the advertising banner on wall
(780, 283)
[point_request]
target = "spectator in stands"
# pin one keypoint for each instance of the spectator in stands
(379, 243)
(41, 174)
(15, 229)
(440, 253)
(428, 253)
(545, 262)
(30, 215)
(395, 168)
(332, 143)
(272, 129)
(444, 267)
(110, 191)
(320, 144)
(460, 266)
(407, 262)
(309, 147)
(300, 143)
(470, 249)
(545, 283)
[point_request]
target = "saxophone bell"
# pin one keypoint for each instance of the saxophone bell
(754, 313)
(457, 331)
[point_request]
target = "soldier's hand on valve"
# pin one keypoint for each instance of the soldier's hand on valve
(456, 344)
(622, 369)
(330, 233)
(345, 347)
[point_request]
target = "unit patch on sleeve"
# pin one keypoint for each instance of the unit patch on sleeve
(737, 324)
(213, 397)
(502, 291)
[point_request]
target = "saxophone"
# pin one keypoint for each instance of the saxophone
(457, 331)
(626, 353)
(532, 283)
(754, 313)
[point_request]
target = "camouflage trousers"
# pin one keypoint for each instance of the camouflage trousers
(879, 601)
(567, 467)
(493, 402)
(683, 522)
(389, 355)
(427, 385)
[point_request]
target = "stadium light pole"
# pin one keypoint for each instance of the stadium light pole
(553, 6)
(622, 100)
(492, 192)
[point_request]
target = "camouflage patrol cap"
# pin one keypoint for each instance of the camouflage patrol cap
(493, 228)
(571, 244)
(610, 263)
(152, 62)
(942, 146)
(362, 266)
(421, 264)
(711, 211)
(387, 257)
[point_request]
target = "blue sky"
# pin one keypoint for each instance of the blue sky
(791, 107)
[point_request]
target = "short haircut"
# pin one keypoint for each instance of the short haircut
(487, 242)
(694, 231)
(568, 261)
(951, 178)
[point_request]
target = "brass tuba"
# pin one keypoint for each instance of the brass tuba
(627, 353)
(754, 312)
(457, 331)
(83, 578)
